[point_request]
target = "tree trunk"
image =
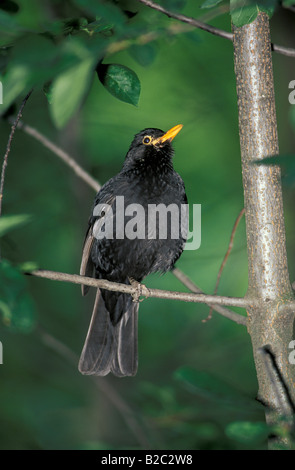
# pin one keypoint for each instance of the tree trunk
(271, 325)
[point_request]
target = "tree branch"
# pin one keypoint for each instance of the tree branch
(142, 290)
(210, 29)
(188, 20)
(225, 312)
(283, 50)
(61, 154)
(231, 243)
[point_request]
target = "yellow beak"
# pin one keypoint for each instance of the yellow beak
(169, 135)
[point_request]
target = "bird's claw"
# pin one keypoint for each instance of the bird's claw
(139, 289)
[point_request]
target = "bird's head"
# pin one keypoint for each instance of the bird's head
(151, 147)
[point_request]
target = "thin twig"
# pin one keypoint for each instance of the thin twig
(210, 29)
(288, 51)
(144, 291)
(225, 312)
(61, 154)
(189, 20)
(230, 246)
(102, 385)
(5, 159)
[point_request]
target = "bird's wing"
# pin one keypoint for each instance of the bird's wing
(97, 353)
(96, 222)
(110, 347)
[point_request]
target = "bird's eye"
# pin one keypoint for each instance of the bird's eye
(147, 140)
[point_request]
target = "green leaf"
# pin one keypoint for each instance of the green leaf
(98, 26)
(17, 81)
(107, 11)
(68, 91)
(144, 55)
(246, 11)
(193, 36)
(32, 63)
(243, 12)
(210, 3)
(17, 307)
(120, 81)
(9, 28)
(247, 432)
(11, 222)
(28, 266)
(268, 6)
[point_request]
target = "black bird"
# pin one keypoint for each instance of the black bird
(125, 253)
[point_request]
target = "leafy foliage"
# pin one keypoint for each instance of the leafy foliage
(120, 81)
(69, 89)
(248, 432)
(66, 51)
(210, 3)
(62, 56)
(246, 12)
(11, 222)
(16, 305)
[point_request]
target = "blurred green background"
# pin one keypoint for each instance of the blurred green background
(195, 380)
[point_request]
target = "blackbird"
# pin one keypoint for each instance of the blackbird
(122, 248)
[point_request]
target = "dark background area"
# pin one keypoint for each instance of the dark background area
(195, 379)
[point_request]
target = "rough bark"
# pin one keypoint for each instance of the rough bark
(271, 324)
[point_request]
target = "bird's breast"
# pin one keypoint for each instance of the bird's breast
(144, 228)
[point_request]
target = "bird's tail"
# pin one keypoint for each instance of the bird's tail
(109, 346)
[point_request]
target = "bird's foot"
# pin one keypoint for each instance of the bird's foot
(140, 290)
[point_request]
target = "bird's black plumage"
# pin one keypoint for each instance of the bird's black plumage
(147, 178)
